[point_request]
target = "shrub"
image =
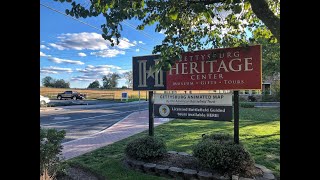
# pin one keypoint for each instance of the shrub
(221, 154)
(243, 99)
(146, 147)
(50, 149)
(246, 105)
(252, 98)
(269, 98)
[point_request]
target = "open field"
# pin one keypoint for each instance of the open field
(103, 94)
(94, 94)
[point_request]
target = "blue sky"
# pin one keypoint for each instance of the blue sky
(77, 53)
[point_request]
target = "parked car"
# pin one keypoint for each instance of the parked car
(44, 101)
(71, 95)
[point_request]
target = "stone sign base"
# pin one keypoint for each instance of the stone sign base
(189, 174)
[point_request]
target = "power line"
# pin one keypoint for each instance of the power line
(70, 16)
(144, 33)
(86, 23)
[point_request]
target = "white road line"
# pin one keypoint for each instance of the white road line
(91, 117)
(59, 118)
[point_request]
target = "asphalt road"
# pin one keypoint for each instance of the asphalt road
(81, 121)
(80, 102)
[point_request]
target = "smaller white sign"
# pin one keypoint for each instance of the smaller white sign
(194, 99)
(124, 95)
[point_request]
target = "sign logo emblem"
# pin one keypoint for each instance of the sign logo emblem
(145, 73)
(145, 76)
(164, 110)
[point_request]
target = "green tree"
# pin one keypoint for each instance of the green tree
(47, 81)
(128, 76)
(94, 85)
(110, 80)
(106, 82)
(188, 25)
(51, 82)
(60, 83)
(50, 149)
(270, 57)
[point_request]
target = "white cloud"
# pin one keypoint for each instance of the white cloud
(100, 69)
(82, 54)
(162, 31)
(134, 42)
(83, 78)
(124, 44)
(137, 50)
(54, 70)
(122, 79)
(45, 71)
(89, 41)
(59, 61)
(42, 54)
(91, 73)
(108, 53)
(122, 71)
(140, 42)
(43, 47)
(59, 47)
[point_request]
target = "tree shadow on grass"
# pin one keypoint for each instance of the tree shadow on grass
(263, 136)
(247, 123)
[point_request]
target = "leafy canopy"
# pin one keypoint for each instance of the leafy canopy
(110, 81)
(188, 25)
(94, 85)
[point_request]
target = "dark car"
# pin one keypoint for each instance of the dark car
(71, 95)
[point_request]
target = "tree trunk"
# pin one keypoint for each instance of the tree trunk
(262, 11)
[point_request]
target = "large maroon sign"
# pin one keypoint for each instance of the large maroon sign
(217, 69)
(214, 69)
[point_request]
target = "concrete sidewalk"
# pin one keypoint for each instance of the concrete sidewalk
(132, 124)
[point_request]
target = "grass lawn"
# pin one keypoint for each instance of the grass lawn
(259, 132)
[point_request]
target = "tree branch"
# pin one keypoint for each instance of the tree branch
(262, 11)
(206, 2)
